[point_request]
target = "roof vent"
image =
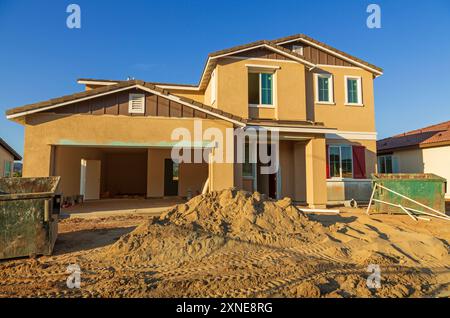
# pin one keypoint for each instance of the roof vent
(297, 49)
(136, 104)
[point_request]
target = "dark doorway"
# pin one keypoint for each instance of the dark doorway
(170, 178)
(273, 185)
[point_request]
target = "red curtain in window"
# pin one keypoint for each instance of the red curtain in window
(328, 161)
(359, 162)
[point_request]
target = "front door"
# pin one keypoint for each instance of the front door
(170, 178)
(90, 179)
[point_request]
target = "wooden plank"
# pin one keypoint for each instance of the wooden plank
(175, 109)
(151, 105)
(163, 107)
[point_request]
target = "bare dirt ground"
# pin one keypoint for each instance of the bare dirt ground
(186, 254)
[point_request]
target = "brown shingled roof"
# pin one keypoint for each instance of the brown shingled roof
(424, 137)
(210, 62)
(112, 88)
(120, 81)
(258, 43)
(307, 38)
(8, 148)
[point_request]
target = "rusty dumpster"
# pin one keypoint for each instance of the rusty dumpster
(426, 188)
(29, 210)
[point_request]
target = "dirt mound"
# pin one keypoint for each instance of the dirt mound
(153, 242)
(245, 216)
(208, 222)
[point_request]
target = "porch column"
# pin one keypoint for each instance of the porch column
(316, 179)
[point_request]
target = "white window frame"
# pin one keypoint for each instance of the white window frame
(131, 97)
(213, 93)
(359, 87)
(265, 70)
(296, 48)
(340, 161)
(330, 88)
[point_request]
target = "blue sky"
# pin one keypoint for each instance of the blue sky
(168, 41)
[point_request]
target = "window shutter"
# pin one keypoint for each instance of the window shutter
(327, 151)
(359, 162)
(136, 104)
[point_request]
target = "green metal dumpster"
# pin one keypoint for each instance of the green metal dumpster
(29, 210)
(426, 188)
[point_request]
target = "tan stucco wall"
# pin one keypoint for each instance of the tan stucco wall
(192, 176)
(410, 161)
(262, 113)
(42, 131)
(290, 95)
(68, 166)
(155, 168)
(316, 187)
(426, 160)
(339, 115)
(198, 96)
(436, 161)
(5, 156)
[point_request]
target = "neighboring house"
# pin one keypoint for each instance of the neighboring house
(7, 157)
(115, 137)
(425, 150)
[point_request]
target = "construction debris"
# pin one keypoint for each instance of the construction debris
(409, 211)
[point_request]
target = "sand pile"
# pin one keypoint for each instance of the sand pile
(208, 222)
(243, 215)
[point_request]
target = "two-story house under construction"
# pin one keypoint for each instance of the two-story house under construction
(115, 138)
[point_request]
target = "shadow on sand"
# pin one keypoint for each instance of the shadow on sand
(88, 239)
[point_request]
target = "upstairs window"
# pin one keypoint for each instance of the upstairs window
(260, 89)
(353, 90)
(324, 88)
(136, 104)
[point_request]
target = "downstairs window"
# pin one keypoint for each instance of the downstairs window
(387, 164)
(346, 161)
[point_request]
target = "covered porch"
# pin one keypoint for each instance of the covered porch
(301, 173)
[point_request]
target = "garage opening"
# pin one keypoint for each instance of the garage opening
(125, 173)
(98, 173)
